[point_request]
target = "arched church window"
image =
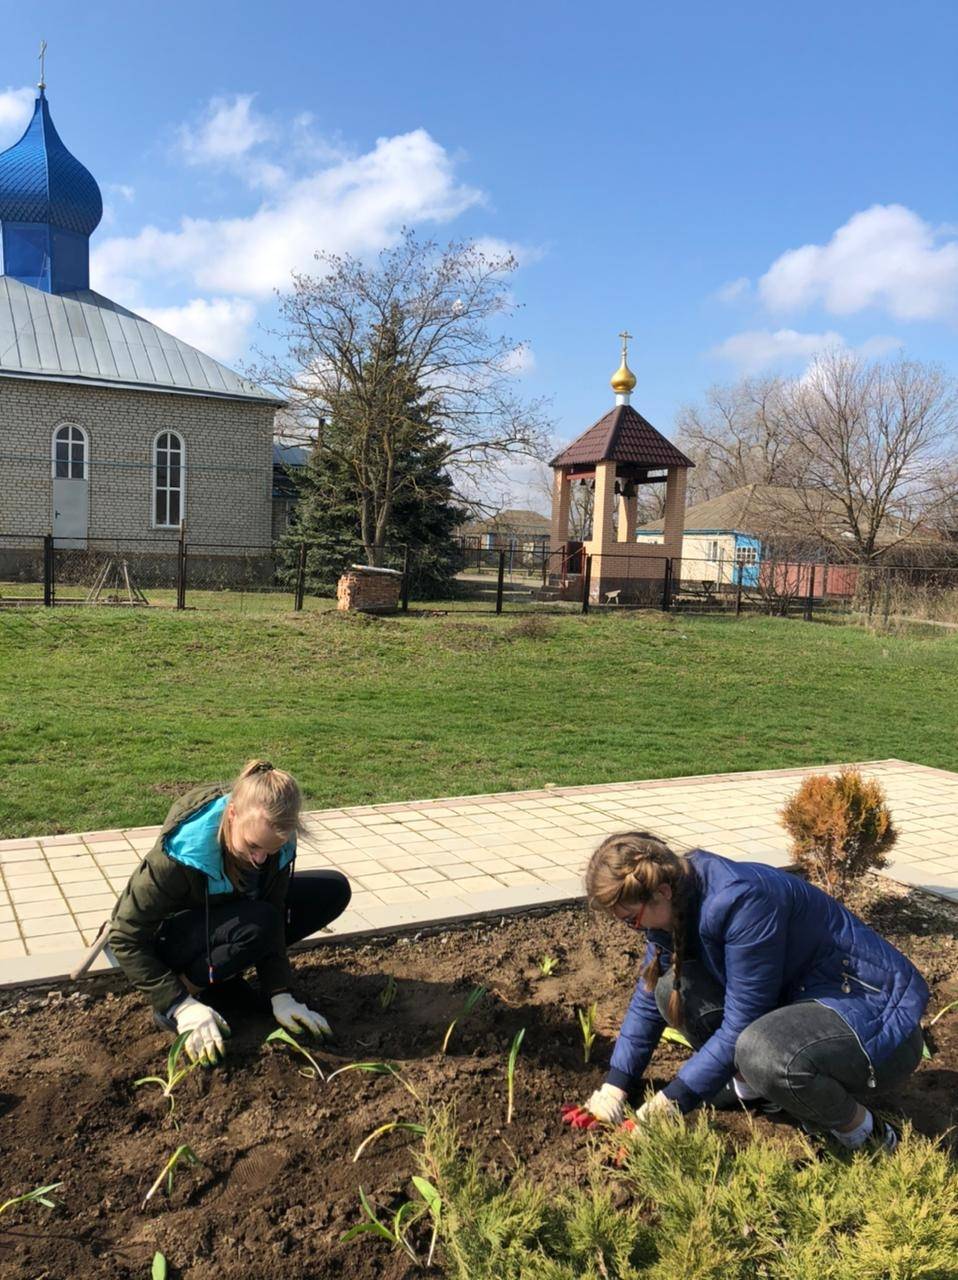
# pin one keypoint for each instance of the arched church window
(69, 453)
(169, 476)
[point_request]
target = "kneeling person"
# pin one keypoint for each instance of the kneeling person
(780, 989)
(215, 895)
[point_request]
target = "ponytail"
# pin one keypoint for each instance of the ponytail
(261, 788)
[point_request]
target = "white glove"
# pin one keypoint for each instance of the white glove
(657, 1105)
(208, 1029)
(296, 1017)
(608, 1104)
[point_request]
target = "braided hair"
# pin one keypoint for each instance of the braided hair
(626, 870)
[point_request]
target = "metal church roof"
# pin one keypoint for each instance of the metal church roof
(41, 182)
(85, 338)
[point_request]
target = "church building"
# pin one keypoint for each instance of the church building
(110, 428)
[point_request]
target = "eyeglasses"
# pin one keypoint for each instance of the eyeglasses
(636, 921)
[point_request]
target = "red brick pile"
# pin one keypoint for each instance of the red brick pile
(369, 590)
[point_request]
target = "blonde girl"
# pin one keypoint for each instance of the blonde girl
(216, 895)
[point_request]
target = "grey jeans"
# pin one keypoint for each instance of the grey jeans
(804, 1057)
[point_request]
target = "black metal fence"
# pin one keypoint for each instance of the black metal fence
(178, 574)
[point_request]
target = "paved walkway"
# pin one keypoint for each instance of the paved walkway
(443, 859)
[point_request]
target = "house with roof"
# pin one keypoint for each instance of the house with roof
(760, 534)
(514, 529)
(110, 428)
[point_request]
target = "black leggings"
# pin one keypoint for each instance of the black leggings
(244, 930)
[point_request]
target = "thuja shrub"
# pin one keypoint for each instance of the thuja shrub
(685, 1203)
(840, 827)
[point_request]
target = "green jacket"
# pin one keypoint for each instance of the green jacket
(184, 871)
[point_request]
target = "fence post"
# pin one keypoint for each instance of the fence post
(886, 598)
(300, 579)
(478, 553)
(499, 581)
(181, 569)
(738, 596)
(404, 596)
(586, 583)
(810, 594)
(48, 572)
(667, 587)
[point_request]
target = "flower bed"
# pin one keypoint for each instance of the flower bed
(277, 1187)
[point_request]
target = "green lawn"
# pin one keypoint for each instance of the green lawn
(103, 712)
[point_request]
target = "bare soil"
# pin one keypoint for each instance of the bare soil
(277, 1186)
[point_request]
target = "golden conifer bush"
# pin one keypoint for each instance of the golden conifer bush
(841, 828)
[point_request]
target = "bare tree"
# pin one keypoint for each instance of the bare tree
(870, 441)
(737, 437)
(374, 351)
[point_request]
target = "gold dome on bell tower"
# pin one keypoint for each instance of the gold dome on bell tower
(623, 380)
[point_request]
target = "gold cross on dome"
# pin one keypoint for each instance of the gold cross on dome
(625, 336)
(42, 59)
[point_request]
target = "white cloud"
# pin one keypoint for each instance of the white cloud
(733, 290)
(16, 108)
(758, 349)
(524, 254)
(228, 129)
(217, 326)
(886, 257)
(356, 204)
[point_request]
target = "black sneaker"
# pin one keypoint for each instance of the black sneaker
(728, 1100)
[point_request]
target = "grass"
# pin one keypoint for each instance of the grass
(106, 714)
(687, 1204)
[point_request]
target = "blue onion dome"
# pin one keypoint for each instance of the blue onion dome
(40, 181)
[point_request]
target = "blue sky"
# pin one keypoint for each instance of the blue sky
(736, 183)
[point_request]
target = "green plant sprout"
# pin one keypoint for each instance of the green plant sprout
(472, 999)
(587, 1019)
(511, 1071)
(314, 1070)
(39, 1195)
(159, 1270)
(676, 1037)
(433, 1201)
(388, 993)
(386, 1128)
(941, 1012)
(404, 1216)
(174, 1072)
(548, 966)
(379, 1069)
(182, 1155)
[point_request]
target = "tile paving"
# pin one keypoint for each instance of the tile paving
(433, 860)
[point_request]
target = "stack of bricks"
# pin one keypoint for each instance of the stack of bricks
(368, 590)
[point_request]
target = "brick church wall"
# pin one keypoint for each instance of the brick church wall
(228, 460)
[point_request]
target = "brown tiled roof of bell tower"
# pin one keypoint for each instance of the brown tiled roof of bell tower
(622, 435)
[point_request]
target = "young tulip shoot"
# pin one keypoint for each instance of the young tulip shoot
(548, 966)
(378, 1069)
(587, 1027)
(472, 999)
(39, 1195)
(511, 1072)
(433, 1201)
(182, 1155)
(386, 1128)
(404, 1216)
(159, 1270)
(314, 1070)
(174, 1071)
(388, 993)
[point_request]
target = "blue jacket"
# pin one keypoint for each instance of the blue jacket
(770, 939)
